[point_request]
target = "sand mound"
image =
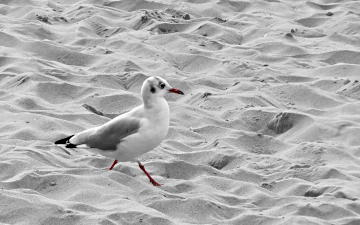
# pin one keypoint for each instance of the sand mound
(267, 133)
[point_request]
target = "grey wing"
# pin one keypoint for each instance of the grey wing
(108, 136)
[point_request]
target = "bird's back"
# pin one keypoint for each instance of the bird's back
(108, 135)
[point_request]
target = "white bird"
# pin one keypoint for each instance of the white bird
(134, 133)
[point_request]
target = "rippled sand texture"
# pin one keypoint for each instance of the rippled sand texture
(267, 133)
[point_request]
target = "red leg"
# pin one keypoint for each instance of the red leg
(148, 175)
(114, 163)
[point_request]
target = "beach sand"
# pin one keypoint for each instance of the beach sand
(267, 133)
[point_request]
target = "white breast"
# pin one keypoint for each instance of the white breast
(154, 128)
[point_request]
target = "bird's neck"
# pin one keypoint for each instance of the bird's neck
(154, 103)
(158, 110)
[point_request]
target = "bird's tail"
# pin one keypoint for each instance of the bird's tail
(64, 141)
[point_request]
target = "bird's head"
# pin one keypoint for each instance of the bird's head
(157, 87)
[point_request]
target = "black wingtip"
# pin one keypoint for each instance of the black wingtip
(63, 141)
(69, 145)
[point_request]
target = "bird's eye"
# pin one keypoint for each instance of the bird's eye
(162, 85)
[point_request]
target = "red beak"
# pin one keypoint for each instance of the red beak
(177, 91)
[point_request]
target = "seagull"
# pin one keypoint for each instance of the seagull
(134, 133)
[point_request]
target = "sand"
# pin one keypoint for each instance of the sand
(267, 133)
